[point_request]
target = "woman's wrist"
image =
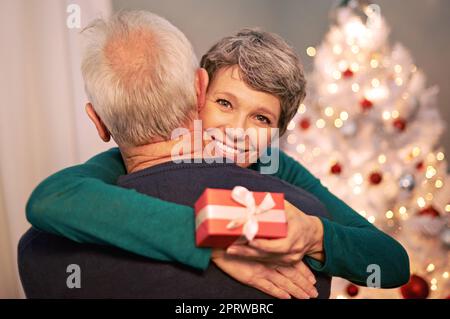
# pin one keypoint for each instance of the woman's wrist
(316, 250)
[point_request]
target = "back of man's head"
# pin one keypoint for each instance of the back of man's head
(139, 73)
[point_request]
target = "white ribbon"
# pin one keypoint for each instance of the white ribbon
(245, 197)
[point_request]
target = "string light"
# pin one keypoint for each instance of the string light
(355, 87)
(447, 208)
(337, 49)
(337, 75)
(399, 81)
(429, 197)
(398, 68)
(292, 138)
(421, 202)
(333, 88)
(355, 49)
(329, 111)
(430, 267)
(374, 63)
(431, 172)
(371, 219)
(440, 156)
(402, 210)
(375, 83)
(358, 179)
(316, 151)
(291, 126)
(445, 275)
(382, 159)
(389, 214)
(354, 67)
(320, 123)
(395, 114)
(416, 152)
(439, 183)
(386, 115)
(302, 108)
(338, 123)
(343, 116)
(311, 51)
(301, 148)
(343, 65)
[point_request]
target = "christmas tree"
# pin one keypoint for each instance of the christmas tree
(370, 129)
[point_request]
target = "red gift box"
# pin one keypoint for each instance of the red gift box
(223, 217)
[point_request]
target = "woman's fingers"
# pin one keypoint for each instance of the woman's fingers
(307, 273)
(299, 279)
(246, 251)
(278, 246)
(271, 289)
(288, 285)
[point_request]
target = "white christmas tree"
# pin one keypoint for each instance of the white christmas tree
(370, 130)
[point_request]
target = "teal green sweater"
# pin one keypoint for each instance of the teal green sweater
(82, 203)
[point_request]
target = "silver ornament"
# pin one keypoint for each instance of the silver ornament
(407, 182)
(349, 129)
(445, 237)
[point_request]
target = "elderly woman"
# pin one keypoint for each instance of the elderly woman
(84, 204)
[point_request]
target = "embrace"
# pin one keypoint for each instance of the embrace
(126, 215)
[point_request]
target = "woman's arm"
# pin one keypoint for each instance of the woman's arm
(83, 204)
(350, 242)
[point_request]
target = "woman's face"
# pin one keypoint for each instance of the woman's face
(238, 118)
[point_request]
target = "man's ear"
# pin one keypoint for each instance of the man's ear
(102, 130)
(201, 86)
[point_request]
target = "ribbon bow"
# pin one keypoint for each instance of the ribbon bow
(245, 197)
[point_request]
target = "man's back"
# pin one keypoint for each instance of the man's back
(184, 183)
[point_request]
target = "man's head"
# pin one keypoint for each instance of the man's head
(140, 76)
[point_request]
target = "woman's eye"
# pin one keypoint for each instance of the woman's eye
(263, 119)
(223, 103)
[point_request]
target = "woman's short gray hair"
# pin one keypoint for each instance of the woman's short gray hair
(267, 63)
(139, 73)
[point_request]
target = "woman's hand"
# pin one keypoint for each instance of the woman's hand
(278, 281)
(305, 237)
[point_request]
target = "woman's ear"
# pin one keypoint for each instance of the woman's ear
(102, 130)
(201, 86)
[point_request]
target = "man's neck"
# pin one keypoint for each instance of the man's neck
(137, 158)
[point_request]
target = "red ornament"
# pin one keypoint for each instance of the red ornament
(366, 104)
(375, 178)
(416, 288)
(336, 169)
(429, 211)
(400, 124)
(348, 74)
(419, 166)
(305, 124)
(352, 290)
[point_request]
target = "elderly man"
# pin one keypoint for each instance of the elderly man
(143, 82)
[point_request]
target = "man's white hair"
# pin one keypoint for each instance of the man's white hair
(139, 74)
